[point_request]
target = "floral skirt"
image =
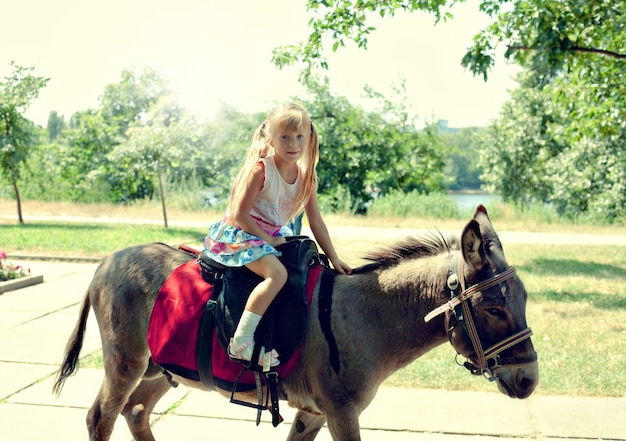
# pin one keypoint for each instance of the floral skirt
(231, 246)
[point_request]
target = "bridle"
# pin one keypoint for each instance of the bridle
(459, 308)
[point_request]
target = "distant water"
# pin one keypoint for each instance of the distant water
(469, 201)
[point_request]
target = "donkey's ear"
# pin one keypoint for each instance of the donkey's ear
(472, 245)
(491, 241)
(483, 220)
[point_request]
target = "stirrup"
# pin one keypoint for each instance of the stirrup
(269, 382)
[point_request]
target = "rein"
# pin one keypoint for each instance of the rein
(489, 358)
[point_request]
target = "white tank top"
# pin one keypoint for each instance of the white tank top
(274, 204)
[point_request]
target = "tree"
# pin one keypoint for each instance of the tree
(590, 177)
(365, 154)
(463, 148)
(90, 138)
(565, 151)
(129, 100)
(344, 20)
(93, 134)
(575, 103)
(223, 147)
(173, 147)
(151, 150)
(147, 152)
(543, 34)
(56, 124)
(17, 92)
(547, 36)
(517, 147)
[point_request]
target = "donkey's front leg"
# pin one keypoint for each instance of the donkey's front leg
(306, 426)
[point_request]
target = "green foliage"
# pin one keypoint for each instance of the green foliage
(541, 34)
(56, 124)
(341, 21)
(89, 140)
(192, 195)
(591, 100)
(338, 200)
(562, 138)
(44, 175)
(414, 204)
(17, 91)
(226, 140)
(462, 170)
(560, 151)
(364, 154)
(126, 102)
(549, 35)
(93, 136)
(517, 147)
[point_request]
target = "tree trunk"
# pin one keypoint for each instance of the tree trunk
(19, 203)
(162, 199)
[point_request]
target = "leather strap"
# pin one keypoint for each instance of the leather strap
(205, 337)
(272, 380)
(324, 304)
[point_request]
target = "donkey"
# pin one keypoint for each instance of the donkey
(405, 301)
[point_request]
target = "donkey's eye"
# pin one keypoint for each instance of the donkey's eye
(498, 313)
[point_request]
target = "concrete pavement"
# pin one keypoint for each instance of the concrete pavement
(36, 321)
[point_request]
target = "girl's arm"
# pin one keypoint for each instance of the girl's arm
(318, 227)
(243, 206)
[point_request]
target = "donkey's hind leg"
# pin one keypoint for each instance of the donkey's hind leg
(140, 404)
(120, 379)
(306, 426)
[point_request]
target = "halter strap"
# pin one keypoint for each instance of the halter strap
(456, 284)
(456, 301)
(508, 342)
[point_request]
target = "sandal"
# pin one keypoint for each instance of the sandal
(244, 353)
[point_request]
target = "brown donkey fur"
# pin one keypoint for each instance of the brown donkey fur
(377, 322)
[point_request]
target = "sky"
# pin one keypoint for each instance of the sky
(216, 52)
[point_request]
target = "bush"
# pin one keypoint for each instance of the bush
(338, 201)
(414, 204)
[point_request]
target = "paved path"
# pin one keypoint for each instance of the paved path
(35, 323)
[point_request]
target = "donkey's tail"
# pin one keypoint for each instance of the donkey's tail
(74, 345)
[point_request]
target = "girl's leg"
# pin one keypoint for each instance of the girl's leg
(274, 276)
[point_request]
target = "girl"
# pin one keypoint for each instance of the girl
(276, 182)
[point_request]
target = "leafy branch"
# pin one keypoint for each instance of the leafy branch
(573, 49)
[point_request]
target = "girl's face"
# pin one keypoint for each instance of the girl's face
(290, 144)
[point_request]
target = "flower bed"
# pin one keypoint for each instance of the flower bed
(15, 276)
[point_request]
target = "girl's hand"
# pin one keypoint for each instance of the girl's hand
(341, 267)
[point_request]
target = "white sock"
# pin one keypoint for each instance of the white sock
(246, 327)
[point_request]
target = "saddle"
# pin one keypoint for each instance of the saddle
(282, 327)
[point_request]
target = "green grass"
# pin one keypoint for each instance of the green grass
(91, 240)
(576, 306)
(92, 360)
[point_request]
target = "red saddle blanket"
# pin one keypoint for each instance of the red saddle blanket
(174, 323)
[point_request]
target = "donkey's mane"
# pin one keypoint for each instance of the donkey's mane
(429, 244)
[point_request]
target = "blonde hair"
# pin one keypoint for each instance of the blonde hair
(290, 116)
